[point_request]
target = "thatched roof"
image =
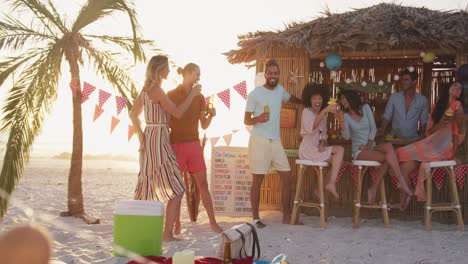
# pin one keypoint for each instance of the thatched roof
(381, 27)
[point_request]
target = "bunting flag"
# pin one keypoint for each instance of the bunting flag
(213, 141)
(88, 89)
(235, 131)
(241, 88)
(249, 128)
(74, 85)
(225, 96)
(131, 132)
(103, 96)
(227, 138)
(121, 103)
(114, 122)
(97, 112)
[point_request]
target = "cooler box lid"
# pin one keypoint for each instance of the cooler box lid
(139, 207)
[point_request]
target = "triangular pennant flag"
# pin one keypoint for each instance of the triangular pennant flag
(227, 138)
(241, 88)
(131, 132)
(84, 99)
(88, 89)
(213, 141)
(225, 96)
(103, 96)
(74, 86)
(97, 112)
(235, 131)
(121, 103)
(114, 122)
(249, 128)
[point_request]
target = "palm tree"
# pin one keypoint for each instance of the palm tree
(40, 50)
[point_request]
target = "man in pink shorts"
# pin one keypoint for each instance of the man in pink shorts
(185, 139)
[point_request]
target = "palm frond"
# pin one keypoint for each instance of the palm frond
(27, 103)
(112, 71)
(94, 10)
(125, 42)
(50, 20)
(12, 64)
(14, 34)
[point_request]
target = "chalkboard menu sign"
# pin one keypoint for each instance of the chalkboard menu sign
(230, 180)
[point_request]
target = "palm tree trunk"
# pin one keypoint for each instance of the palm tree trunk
(75, 192)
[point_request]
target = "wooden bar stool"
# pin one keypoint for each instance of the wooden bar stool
(299, 198)
(363, 165)
(454, 206)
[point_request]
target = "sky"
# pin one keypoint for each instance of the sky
(187, 31)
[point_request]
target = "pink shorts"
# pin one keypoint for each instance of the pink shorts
(189, 156)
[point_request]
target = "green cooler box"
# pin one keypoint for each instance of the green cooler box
(138, 227)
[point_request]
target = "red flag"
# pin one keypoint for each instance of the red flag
(97, 112)
(88, 89)
(114, 122)
(241, 88)
(103, 96)
(121, 103)
(130, 132)
(225, 96)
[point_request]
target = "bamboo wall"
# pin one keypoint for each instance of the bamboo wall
(359, 70)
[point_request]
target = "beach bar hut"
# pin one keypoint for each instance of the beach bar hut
(374, 44)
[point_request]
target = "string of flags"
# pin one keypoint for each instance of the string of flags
(121, 102)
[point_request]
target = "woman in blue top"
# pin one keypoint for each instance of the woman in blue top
(358, 124)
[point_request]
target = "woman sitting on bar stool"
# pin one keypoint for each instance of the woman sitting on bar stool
(445, 132)
(358, 124)
(314, 132)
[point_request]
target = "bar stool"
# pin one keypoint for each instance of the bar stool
(363, 165)
(454, 206)
(298, 200)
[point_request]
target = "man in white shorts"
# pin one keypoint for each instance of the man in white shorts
(266, 152)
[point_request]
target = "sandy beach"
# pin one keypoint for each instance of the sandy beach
(41, 196)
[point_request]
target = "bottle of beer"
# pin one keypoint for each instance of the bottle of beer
(227, 253)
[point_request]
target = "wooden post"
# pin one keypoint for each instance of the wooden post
(427, 81)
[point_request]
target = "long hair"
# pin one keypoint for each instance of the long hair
(443, 101)
(154, 68)
(354, 101)
(189, 68)
(312, 89)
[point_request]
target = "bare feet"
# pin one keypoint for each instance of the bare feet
(169, 238)
(406, 202)
(404, 187)
(177, 228)
(371, 196)
(216, 228)
(332, 189)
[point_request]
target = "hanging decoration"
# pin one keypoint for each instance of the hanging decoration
(103, 97)
(114, 122)
(227, 138)
(367, 87)
(241, 88)
(97, 112)
(294, 77)
(88, 89)
(333, 61)
(121, 102)
(225, 96)
(429, 57)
